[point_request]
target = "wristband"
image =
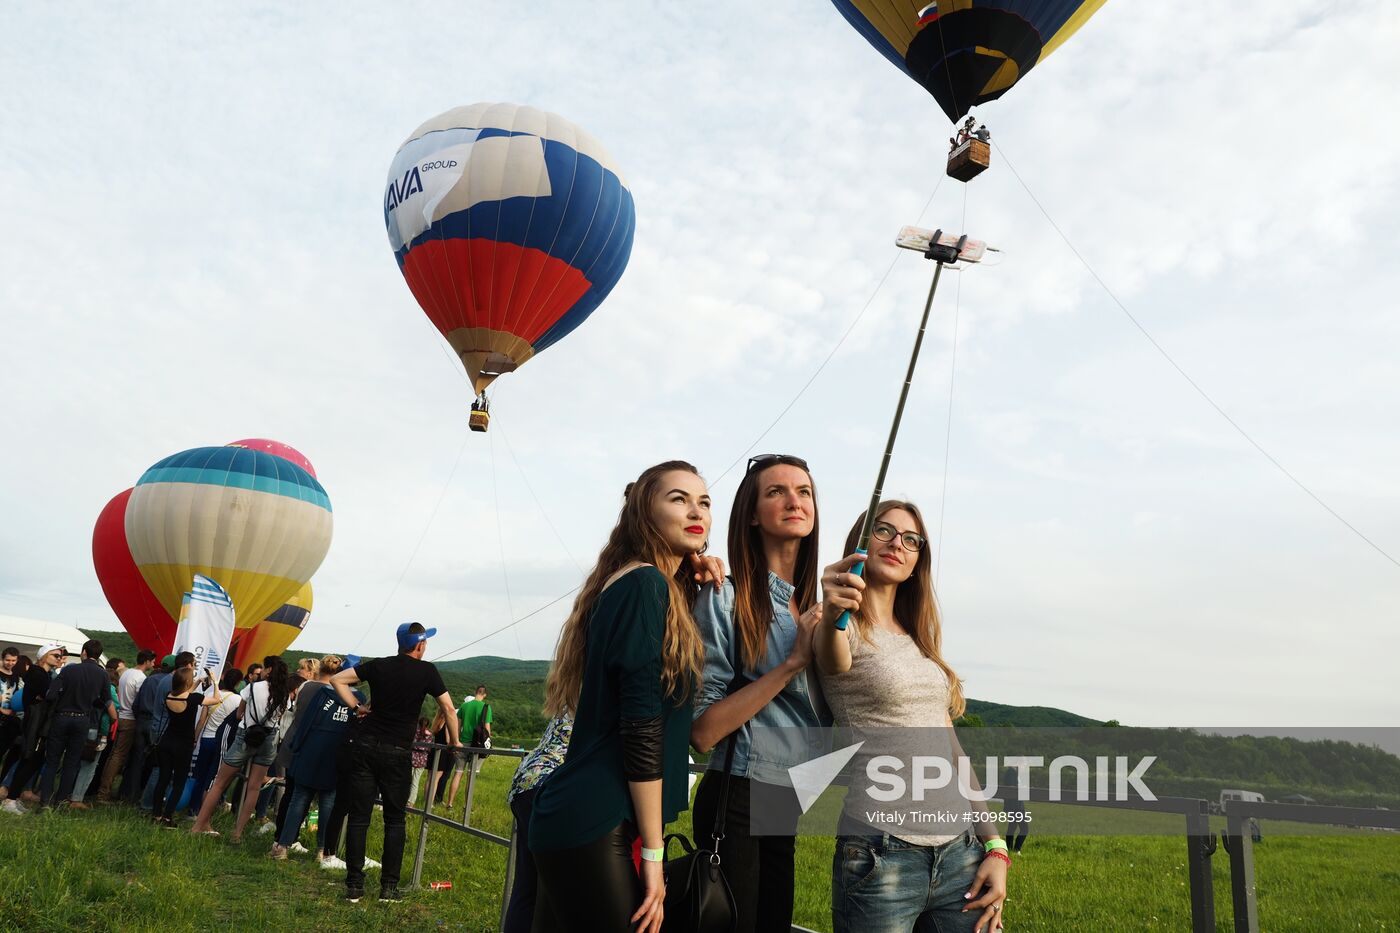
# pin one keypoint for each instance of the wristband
(998, 853)
(991, 844)
(653, 855)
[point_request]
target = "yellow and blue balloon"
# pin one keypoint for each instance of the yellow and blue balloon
(258, 524)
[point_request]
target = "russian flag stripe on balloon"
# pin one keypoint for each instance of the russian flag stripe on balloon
(510, 226)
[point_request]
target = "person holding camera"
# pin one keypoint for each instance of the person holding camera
(176, 745)
(264, 702)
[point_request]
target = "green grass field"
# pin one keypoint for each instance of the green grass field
(109, 870)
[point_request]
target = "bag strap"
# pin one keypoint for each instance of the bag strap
(253, 701)
(722, 805)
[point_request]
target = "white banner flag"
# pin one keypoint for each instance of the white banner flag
(206, 625)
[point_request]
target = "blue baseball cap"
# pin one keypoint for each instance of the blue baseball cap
(407, 639)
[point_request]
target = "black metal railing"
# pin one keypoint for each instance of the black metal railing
(1200, 841)
(1200, 838)
(427, 817)
(1239, 842)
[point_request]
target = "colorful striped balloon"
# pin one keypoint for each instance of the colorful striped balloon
(510, 225)
(277, 449)
(276, 633)
(259, 525)
(145, 619)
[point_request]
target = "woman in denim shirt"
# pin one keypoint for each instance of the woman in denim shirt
(757, 628)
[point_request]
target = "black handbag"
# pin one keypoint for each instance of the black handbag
(480, 738)
(698, 898)
(256, 734)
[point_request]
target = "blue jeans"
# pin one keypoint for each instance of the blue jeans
(296, 815)
(206, 766)
(148, 793)
(880, 884)
(142, 753)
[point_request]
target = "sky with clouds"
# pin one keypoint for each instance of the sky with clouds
(195, 252)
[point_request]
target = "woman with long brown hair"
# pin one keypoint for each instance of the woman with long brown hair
(260, 712)
(886, 672)
(627, 664)
(757, 626)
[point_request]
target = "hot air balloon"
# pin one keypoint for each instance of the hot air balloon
(510, 225)
(966, 52)
(141, 614)
(277, 449)
(258, 525)
(276, 633)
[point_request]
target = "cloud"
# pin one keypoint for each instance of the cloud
(195, 253)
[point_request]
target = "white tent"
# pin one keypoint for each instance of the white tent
(29, 635)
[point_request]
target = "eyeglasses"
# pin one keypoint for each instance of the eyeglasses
(912, 540)
(765, 460)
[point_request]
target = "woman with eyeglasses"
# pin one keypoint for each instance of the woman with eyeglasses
(885, 672)
(757, 626)
(627, 665)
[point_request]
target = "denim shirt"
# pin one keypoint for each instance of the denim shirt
(794, 708)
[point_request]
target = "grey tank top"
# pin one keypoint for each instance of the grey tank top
(890, 684)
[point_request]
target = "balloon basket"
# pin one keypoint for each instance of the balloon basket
(970, 159)
(480, 418)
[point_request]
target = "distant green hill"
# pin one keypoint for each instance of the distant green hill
(1000, 714)
(1192, 764)
(515, 689)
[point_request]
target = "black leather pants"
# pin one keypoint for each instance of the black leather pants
(592, 888)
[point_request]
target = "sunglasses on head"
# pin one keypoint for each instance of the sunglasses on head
(767, 460)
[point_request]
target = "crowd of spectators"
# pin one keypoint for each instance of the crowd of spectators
(279, 749)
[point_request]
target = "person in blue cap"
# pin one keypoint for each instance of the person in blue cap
(380, 753)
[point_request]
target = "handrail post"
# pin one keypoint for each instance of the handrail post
(471, 788)
(423, 824)
(1242, 891)
(510, 870)
(1200, 846)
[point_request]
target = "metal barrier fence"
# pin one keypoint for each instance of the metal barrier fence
(1200, 842)
(1200, 838)
(426, 816)
(1239, 842)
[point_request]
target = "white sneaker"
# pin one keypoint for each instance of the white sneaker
(333, 863)
(266, 828)
(12, 806)
(298, 848)
(371, 863)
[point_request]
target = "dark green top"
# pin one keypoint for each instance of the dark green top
(587, 796)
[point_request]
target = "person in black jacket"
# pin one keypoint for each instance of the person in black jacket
(75, 698)
(11, 723)
(36, 717)
(627, 664)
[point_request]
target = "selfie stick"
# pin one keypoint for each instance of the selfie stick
(941, 252)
